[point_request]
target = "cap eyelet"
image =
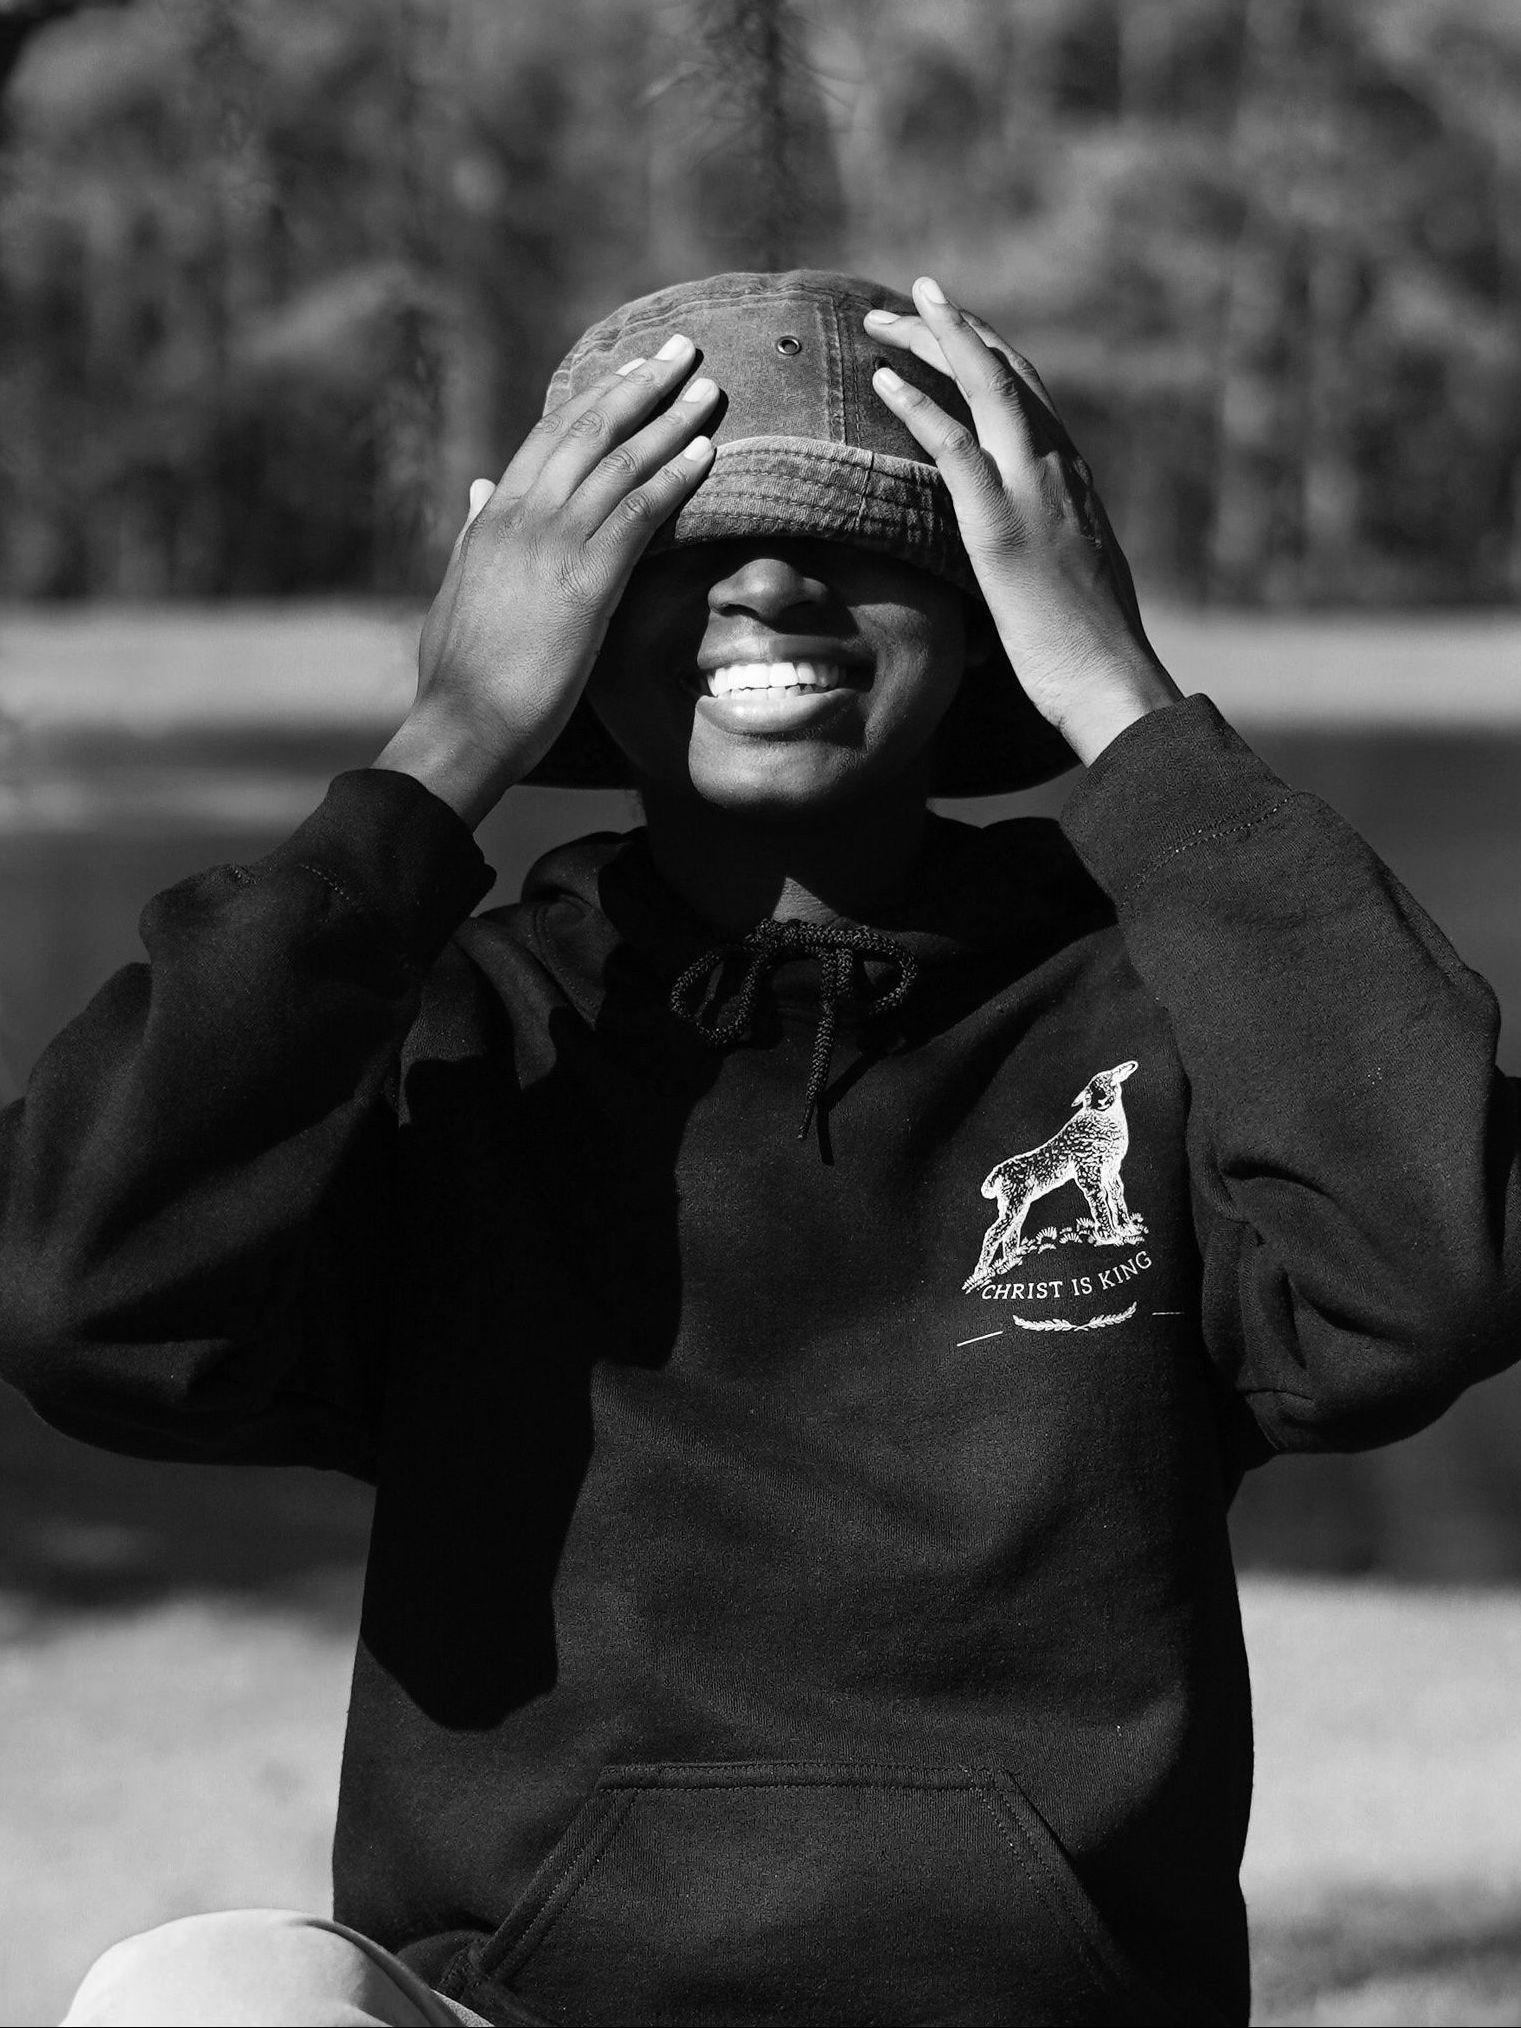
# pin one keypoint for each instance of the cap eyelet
(788, 346)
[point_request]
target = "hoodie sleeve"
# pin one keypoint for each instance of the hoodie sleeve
(1353, 1148)
(194, 1193)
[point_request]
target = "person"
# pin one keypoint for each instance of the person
(806, 1282)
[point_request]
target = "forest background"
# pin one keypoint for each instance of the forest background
(277, 279)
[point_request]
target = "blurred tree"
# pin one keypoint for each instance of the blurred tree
(1262, 253)
(764, 184)
(278, 281)
(20, 21)
(286, 278)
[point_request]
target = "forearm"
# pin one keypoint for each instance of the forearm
(1354, 1151)
(183, 1140)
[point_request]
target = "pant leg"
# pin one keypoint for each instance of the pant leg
(257, 1968)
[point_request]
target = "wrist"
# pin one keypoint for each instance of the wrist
(452, 760)
(1103, 707)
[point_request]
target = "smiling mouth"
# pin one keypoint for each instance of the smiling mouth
(735, 678)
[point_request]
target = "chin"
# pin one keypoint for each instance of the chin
(781, 785)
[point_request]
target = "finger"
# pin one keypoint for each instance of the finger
(1050, 432)
(1015, 416)
(631, 462)
(1024, 368)
(911, 334)
(996, 342)
(576, 440)
(527, 460)
(481, 491)
(995, 392)
(908, 334)
(623, 537)
(984, 512)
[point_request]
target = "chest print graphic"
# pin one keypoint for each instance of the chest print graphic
(1087, 1151)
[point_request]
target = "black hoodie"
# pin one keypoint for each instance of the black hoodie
(799, 1588)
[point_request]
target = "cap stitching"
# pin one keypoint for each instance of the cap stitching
(864, 496)
(834, 370)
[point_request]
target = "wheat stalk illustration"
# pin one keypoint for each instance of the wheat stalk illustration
(1065, 1323)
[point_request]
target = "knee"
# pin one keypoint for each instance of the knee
(237, 1966)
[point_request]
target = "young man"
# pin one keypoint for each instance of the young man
(807, 1282)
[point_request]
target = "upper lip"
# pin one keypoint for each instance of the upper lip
(774, 649)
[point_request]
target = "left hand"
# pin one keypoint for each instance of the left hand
(1054, 578)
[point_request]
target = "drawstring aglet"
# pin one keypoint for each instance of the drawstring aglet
(834, 980)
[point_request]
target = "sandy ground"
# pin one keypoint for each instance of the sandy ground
(185, 1757)
(1383, 1871)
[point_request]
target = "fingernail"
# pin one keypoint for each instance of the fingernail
(701, 390)
(674, 347)
(885, 377)
(632, 363)
(881, 316)
(930, 289)
(699, 447)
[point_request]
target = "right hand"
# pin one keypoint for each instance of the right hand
(536, 572)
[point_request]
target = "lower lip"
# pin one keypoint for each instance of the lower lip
(761, 714)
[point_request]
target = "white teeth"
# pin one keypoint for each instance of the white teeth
(774, 676)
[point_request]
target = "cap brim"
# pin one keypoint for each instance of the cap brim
(993, 741)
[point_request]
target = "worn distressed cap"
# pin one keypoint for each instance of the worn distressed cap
(806, 447)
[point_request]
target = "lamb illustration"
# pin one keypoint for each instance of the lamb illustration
(1087, 1151)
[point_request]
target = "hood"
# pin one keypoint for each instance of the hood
(1008, 893)
(979, 907)
(1015, 888)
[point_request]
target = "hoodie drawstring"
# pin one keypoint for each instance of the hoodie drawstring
(840, 949)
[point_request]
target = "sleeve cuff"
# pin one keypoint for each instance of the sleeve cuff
(396, 853)
(1170, 781)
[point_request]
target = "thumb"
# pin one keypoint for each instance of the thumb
(481, 491)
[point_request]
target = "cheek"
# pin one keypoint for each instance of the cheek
(631, 688)
(918, 677)
(651, 722)
(903, 728)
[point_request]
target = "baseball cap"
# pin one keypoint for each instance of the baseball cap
(806, 447)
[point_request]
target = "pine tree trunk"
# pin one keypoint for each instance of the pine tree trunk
(1246, 406)
(1145, 30)
(1507, 183)
(1328, 486)
(768, 187)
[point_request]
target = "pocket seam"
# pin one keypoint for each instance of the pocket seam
(506, 1954)
(638, 1776)
(642, 1788)
(1032, 1862)
(547, 1897)
(1108, 1965)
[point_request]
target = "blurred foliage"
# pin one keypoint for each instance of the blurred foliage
(277, 279)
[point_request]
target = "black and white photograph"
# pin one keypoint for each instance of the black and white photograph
(760, 950)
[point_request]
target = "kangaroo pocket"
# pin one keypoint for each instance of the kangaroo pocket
(776, 1892)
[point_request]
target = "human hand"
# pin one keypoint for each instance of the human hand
(1053, 576)
(541, 562)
